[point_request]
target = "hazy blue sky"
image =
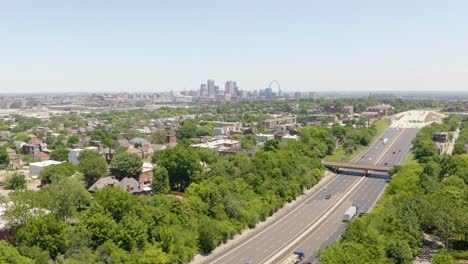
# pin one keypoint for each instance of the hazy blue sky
(97, 45)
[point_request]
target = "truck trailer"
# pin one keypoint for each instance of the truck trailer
(350, 213)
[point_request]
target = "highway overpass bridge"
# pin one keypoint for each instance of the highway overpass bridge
(354, 166)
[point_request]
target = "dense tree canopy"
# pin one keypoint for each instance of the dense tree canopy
(93, 169)
(127, 164)
(4, 158)
(54, 173)
(59, 154)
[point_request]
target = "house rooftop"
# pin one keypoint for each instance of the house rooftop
(46, 163)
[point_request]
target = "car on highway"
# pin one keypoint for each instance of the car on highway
(328, 196)
(325, 188)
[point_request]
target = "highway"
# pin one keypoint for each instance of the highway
(317, 221)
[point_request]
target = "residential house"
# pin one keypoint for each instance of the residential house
(15, 161)
(123, 143)
(130, 185)
(261, 138)
(171, 138)
(158, 147)
(75, 153)
(146, 176)
(347, 110)
(96, 143)
(271, 123)
(139, 141)
(104, 182)
(146, 152)
(41, 156)
(28, 149)
(109, 154)
(219, 144)
(35, 168)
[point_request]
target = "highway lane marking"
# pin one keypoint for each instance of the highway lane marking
(337, 219)
(278, 254)
(298, 206)
(231, 250)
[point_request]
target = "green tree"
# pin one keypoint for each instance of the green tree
(15, 181)
(93, 169)
(400, 251)
(88, 154)
(9, 254)
(111, 253)
(44, 232)
(159, 137)
(65, 197)
(4, 158)
(127, 164)
(160, 183)
(54, 173)
(22, 137)
(104, 136)
(181, 163)
(442, 257)
(347, 252)
(60, 154)
(188, 129)
(73, 139)
(271, 145)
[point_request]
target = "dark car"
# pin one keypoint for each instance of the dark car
(328, 196)
(362, 213)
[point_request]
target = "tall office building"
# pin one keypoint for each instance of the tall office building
(230, 88)
(203, 90)
(211, 88)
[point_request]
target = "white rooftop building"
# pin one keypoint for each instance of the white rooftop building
(36, 167)
(219, 144)
(75, 153)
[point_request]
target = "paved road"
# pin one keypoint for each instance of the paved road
(262, 246)
(283, 230)
(365, 196)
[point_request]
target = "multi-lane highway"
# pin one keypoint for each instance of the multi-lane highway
(317, 221)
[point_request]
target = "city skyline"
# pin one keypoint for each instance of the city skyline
(156, 46)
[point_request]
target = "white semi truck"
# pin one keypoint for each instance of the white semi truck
(294, 258)
(350, 213)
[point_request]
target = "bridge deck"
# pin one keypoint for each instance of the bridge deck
(356, 166)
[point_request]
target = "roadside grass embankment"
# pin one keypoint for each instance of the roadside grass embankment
(340, 155)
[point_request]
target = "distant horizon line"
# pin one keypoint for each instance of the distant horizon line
(283, 91)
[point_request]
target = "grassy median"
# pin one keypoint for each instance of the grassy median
(339, 153)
